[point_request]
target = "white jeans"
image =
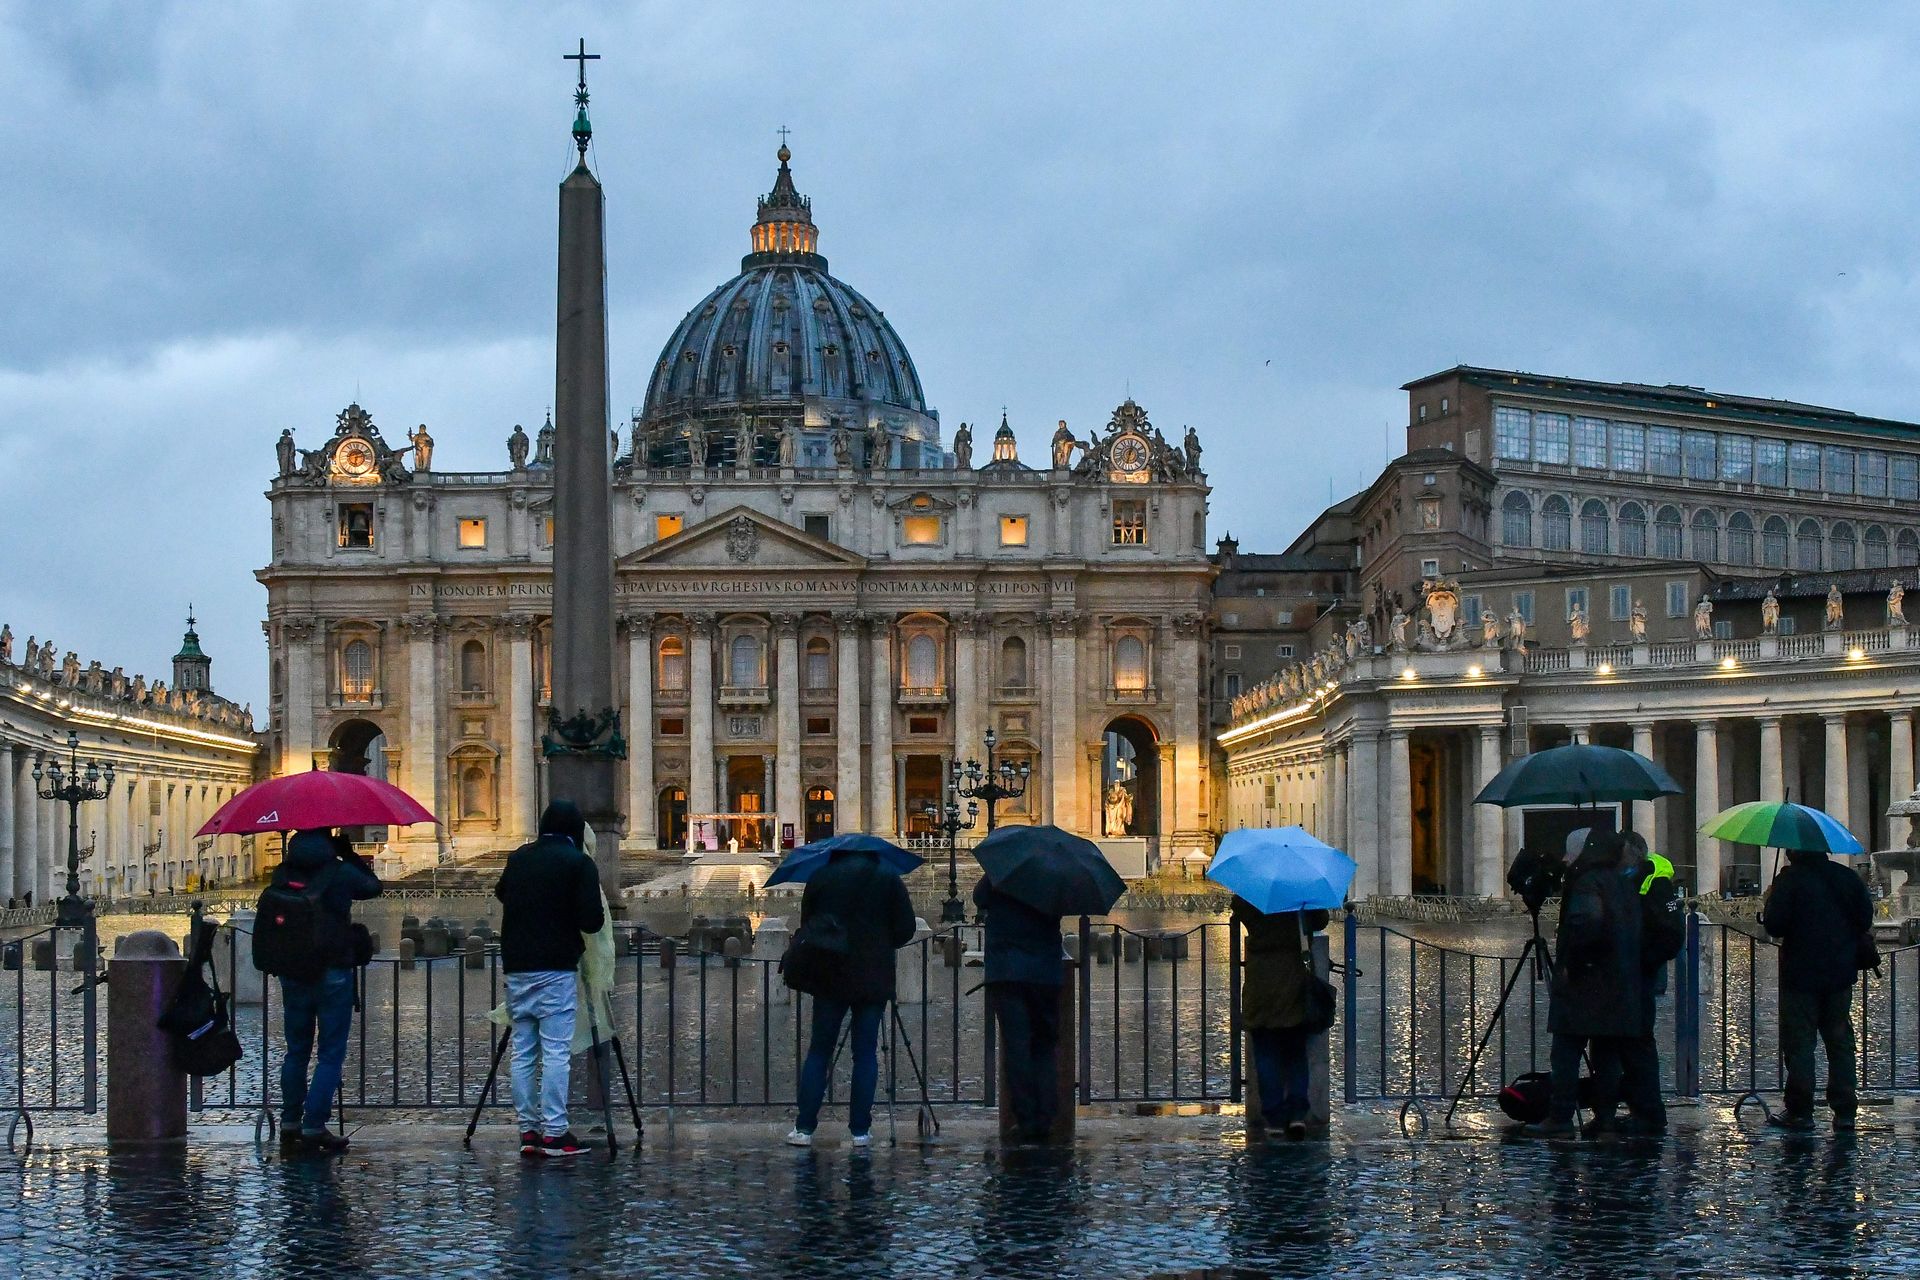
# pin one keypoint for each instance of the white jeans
(542, 1007)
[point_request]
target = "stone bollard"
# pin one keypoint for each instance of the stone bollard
(406, 953)
(146, 1093)
(373, 941)
(434, 943)
(233, 960)
(1179, 946)
(10, 958)
(43, 954)
(1319, 1065)
(1129, 947)
(770, 940)
(909, 982)
(951, 950)
(669, 953)
(1103, 948)
(730, 948)
(1153, 947)
(1071, 942)
(1066, 1050)
(476, 952)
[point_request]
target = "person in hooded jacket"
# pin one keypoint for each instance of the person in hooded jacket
(1635, 1077)
(1023, 960)
(1819, 910)
(318, 1015)
(1598, 981)
(875, 915)
(1274, 1008)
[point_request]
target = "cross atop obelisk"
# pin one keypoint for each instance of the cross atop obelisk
(582, 128)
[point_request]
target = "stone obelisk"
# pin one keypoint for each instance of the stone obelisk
(583, 743)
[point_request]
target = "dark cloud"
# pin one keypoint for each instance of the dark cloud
(225, 220)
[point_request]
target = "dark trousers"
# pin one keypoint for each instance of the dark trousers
(1029, 1018)
(1627, 1069)
(827, 1016)
(1828, 1017)
(318, 1016)
(1280, 1063)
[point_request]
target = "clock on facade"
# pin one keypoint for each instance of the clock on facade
(1129, 456)
(354, 459)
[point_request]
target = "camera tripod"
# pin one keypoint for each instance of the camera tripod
(597, 1054)
(927, 1122)
(1541, 957)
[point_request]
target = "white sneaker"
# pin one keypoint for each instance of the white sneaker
(797, 1138)
(862, 1140)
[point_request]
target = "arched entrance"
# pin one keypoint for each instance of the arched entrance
(359, 746)
(1129, 779)
(670, 817)
(819, 815)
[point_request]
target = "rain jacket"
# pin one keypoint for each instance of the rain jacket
(1599, 982)
(1818, 909)
(1274, 994)
(876, 914)
(593, 980)
(550, 897)
(344, 877)
(1022, 944)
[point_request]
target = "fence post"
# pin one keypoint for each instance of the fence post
(89, 1016)
(1686, 1014)
(1319, 1060)
(1236, 1091)
(1349, 1015)
(1084, 962)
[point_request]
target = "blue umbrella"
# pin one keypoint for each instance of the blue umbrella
(809, 858)
(1282, 869)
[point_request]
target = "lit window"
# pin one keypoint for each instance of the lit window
(921, 530)
(665, 526)
(1013, 531)
(546, 531)
(473, 533)
(1130, 665)
(356, 670)
(819, 726)
(1129, 523)
(356, 526)
(673, 663)
(673, 726)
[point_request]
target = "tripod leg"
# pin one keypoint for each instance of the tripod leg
(926, 1118)
(1499, 1010)
(633, 1103)
(598, 1050)
(493, 1072)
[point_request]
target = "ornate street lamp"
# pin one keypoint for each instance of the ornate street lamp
(73, 786)
(991, 784)
(947, 820)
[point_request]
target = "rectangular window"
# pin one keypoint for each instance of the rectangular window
(1699, 451)
(1129, 522)
(1770, 463)
(1803, 466)
(1629, 440)
(1550, 437)
(1283, 651)
(1736, 458)
(356, 526)
(1230, 684)
(1283, 617)
(673, 726)
(1577, 599)
(1512, 434)
(1873, 474)
(546, 531)
(1663, 451)
(818, 526)
(1429, 568)
(1523, 601)
(1620, 603)
(1723, 631)
(1676, 599)
(1905, 470)
(665, 526)
(1230, 651)
(920, 531)
(819, 726)
(1786, 626)
(1590, 443)
(473, 533)
(1013, 531)
(1471, 609)
(923, 724)
(1839, 469)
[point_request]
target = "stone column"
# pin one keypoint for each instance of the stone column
(641, 806)
(1773, 785)
(523, 747)
(700, 798)
(306, 686)
(1063, 701)
(1834, 798)
(6, 821)
(1579, 733)
(106, 853)
(423, 728)
(1641, 811)
(1189, 737)
(1363, 813)
(1339, 759)
(1398, 796)
(966, 685)
(883, 821)
(785, 778)
(1899, 756)
(1489, 821)
(1709, 855)
(847, 727)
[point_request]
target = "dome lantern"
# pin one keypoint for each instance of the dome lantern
(783, 229)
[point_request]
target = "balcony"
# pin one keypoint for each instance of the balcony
(743, 695)
(930, 695)
(1134, 696)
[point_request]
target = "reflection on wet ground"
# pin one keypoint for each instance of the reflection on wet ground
(1190, 1200)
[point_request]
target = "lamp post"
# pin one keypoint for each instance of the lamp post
(992, 783)
(73, 786)
(947, 821)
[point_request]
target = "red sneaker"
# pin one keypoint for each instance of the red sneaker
(563, 1146)
(529, 1142)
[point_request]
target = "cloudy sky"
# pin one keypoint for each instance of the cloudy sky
(222, 220)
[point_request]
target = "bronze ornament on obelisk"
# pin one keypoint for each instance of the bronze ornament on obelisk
(583, 742)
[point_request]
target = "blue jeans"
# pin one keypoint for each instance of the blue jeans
(541, 1005)
(1280, 1063)
(325, 1006)
(827, 1016)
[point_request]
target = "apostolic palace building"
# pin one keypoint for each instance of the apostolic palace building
(824, 603)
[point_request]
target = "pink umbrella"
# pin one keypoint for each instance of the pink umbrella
(322, 798)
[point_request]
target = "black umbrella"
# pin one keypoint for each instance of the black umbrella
(1050, 870)
(1578, 774)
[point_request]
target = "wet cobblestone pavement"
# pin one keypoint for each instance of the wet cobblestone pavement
(1135, 1198)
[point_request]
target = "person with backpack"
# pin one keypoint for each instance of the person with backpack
(550, 898)
(1822, 915)
(860, 912)
(1629, 1070)
(1275, 1007)
(303, 933)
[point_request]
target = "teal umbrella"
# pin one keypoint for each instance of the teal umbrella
(1580, 773)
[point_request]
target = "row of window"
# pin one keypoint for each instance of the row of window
(1813, 546)
(1522, 435)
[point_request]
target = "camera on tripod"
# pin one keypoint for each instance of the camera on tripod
(1536, 877)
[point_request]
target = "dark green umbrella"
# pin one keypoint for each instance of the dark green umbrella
(1050, 870)
(1578, 774)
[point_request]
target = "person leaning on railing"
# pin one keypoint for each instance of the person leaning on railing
(1823, 917)
(1274, 1009)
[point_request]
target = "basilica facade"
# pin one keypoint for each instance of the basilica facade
(823, 604)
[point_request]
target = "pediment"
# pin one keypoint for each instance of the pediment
(741, 538)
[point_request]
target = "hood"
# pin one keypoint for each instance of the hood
(310, 850)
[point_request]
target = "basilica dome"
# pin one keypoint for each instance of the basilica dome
(785, 344)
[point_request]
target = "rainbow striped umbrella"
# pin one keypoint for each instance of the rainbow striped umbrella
(1780, 825)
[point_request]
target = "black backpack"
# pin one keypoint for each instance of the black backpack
(196, 1019)
(816, 956)
(1663, 923)
(294, 935)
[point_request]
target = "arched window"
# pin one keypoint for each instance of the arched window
(1773, 543)
(1130, 665)
(1593, 527)
(473, 667)
(356, 670)
(1907, 548)
(1633, 529)
(1844, 550)
(673, 663)
(1666, 533)
(1876, 547)
(473, 792)
(1516, 520)
(1740, 538)
(923, 662)
(819, 663)
(1556, 524)
(1806, 547)
(743, 662)
(1706, 537)
(1013, 663)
